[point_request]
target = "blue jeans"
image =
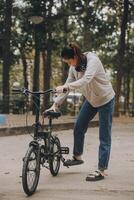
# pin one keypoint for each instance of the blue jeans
(86, 114)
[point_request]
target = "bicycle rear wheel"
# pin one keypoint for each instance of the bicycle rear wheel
(31, 171)
(54, 161)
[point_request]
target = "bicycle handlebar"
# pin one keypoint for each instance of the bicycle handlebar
(26, 91)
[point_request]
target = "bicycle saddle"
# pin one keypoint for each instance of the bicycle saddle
(52, 114)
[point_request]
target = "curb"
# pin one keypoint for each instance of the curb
(21, 130)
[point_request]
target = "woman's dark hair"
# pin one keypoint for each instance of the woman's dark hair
(71, 51)
(74, 50)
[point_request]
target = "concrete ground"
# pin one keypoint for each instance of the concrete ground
(70, 183)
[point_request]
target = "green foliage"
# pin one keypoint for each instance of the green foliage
(94, 24)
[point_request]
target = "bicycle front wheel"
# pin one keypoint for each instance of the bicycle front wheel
(54, 161)
(31, 171)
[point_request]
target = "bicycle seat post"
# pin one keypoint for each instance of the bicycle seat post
(36, 112)
(51, 115)
(50, 122)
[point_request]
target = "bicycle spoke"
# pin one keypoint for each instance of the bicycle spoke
(55, 160)
(31, 171)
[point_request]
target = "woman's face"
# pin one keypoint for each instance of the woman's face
(71, 61)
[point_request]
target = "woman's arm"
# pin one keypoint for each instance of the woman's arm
(61, 97)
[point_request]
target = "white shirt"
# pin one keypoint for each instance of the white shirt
(92, 83)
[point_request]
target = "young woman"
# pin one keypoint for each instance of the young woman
(86, 74)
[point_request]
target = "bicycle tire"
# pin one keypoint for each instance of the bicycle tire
(33, 168)
(54, 161)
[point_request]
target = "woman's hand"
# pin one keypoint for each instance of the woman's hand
(54, 108)
(62, 89)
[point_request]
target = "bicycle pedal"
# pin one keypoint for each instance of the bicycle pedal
(63, 160)
(64, 150)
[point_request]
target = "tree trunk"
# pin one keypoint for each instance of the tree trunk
(7, 56)
(46, 56)
(121, 54)
(65, 66)
(133, 98)
(25, 67)
(36, 99)
(127, 91)
(87, 43)
(44, 107)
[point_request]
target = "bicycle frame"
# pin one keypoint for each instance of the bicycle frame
(44, 150)
(37, 124)
(37, 95)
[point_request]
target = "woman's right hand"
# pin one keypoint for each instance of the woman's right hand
(52, 108)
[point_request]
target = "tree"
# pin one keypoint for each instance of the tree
(121, 53)
(2, 11)
(7, 54)
(22, 40)
(95, 25)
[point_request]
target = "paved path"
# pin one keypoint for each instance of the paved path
(20, 124)
(15, 120)
(70, 184)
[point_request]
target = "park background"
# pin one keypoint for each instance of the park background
(33, 32)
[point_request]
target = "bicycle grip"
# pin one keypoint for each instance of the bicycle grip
(16, 90)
